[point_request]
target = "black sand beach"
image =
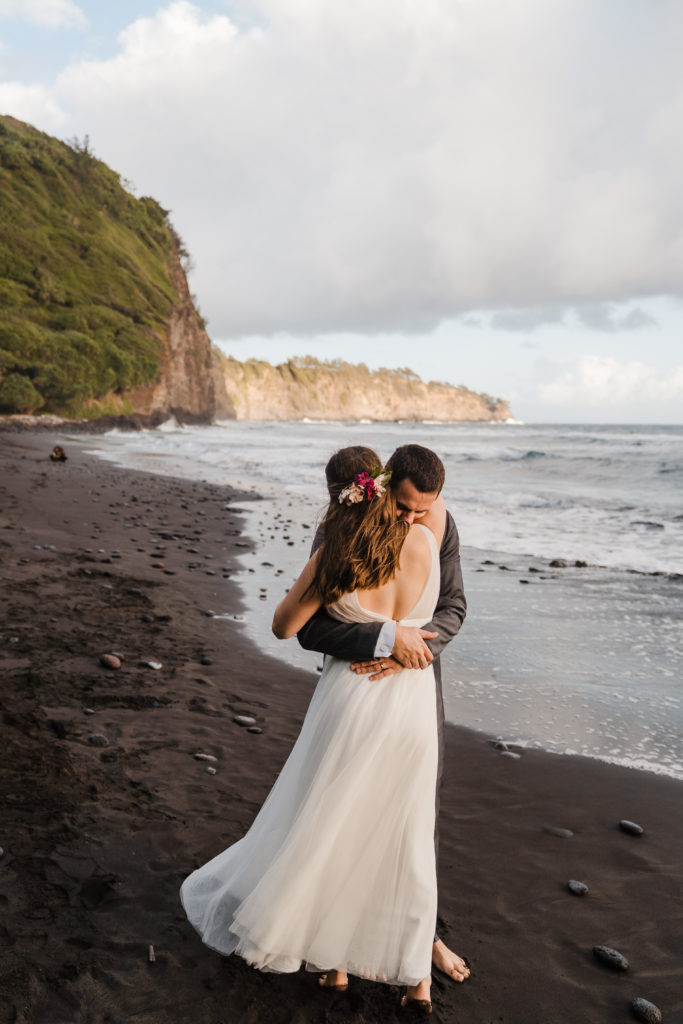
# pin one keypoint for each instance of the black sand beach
(98, 834)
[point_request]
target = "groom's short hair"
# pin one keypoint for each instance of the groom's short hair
(421, 466)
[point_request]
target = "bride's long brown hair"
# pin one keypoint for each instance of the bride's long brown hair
(362, 542)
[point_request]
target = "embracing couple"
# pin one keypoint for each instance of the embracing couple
(338, 870)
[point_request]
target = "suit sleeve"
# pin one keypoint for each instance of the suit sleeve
(451, 606)
(348, 641)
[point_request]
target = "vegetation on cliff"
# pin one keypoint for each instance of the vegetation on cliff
(86, 286)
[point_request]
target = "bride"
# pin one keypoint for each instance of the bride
(338, 869)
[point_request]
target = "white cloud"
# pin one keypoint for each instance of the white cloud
(33, 103)
(46, 13)
(602, 381)
(382, 165)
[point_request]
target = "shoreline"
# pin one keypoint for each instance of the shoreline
(92, 866)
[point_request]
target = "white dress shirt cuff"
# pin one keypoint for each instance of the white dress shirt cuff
(386, 640)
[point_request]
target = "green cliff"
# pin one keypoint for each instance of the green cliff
(95, 314)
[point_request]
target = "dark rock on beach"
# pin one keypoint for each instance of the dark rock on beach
(577, 888)
(558, 563)
(631, 827)
(646, 1011)
(110, 661)
(611, 957)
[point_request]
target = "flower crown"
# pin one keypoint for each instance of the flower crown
(365, 485)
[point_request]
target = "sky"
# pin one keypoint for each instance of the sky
(486, 191)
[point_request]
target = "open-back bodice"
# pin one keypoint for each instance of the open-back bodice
(349, 609)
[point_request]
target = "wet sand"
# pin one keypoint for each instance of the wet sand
(97, 838)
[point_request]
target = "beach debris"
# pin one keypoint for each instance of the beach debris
(243, 720)
(510, 753)
(580, 564)
(578, 888)
(210, 770)
(631, 827)
(151, 956)
(88, 711)
(499, 743)
(97, 739)
(562, 833)
(152, 664)
(58, 454)
(646, 1011)
(254, 729)
(110, 661)
(204, 757)
(558, 563)
(611, 957)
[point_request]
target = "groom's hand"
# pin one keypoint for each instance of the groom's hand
(380, 667)
(410, 648)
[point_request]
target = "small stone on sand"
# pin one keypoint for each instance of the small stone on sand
(204, 757)
(96, 739)
(210, 770)
(631, 827)
(611, 957)
(110, 661)
(578, 888)
(152, 664)
(562, 833)
(254, 729)
(646, 1011)
(244, 720)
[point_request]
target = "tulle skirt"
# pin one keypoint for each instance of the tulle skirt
(338, 869)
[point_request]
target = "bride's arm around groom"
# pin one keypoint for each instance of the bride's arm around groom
(363, 642)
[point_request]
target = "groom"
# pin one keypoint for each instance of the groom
(417, 478)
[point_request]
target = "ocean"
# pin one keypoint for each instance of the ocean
(574, 659)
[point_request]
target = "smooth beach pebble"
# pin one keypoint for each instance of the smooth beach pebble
(562, 833)
(110, 661)
(204, 757)
(205, 661)
(631, 827)
(611, 957)
(210, 770)
(646, 1011)
(578, 888)
(244, 720)
(88, 711)
(96, 739)
(209, 613)
(510, 753)
(254, 729)
(152, 664)
(558, 563)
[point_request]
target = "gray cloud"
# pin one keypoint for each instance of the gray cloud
(379, 167)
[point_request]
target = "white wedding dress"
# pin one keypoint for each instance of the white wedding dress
(338, 869)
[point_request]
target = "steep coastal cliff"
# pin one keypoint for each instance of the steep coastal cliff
(95, 314)
(337, 390)
(97, 323)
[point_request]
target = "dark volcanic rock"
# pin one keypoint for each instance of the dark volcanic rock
(611, 957)
(96, 739)
(558, 563)
(646, 1011)
(631, 827)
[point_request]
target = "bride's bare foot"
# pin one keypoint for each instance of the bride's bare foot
(445, 960)
(338, 980)
(417, 996)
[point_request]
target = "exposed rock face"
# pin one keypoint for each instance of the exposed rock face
(186, 386)
(336, 390)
